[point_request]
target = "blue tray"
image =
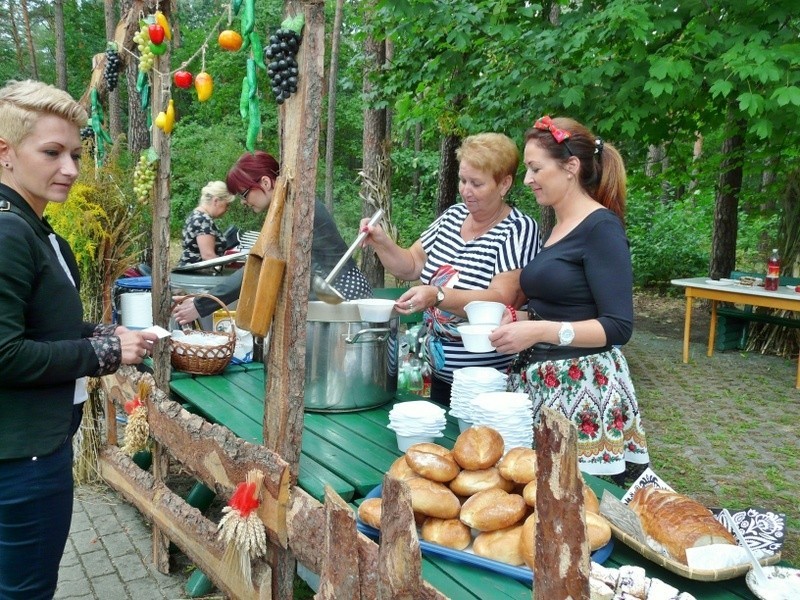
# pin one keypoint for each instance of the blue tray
(523, 574)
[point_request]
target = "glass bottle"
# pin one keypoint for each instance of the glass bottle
(773, 271)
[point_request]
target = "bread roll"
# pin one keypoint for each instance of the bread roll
(468, 483)
(590, 501)
(400, 470)
(529, 493)
(430, 447)
(432, 465)
(502, 545)
(479, 447)
(676, 522)
(369, 511)
(451, 533)
(433, 499)
(492, 509)
(518, 465)
(527, 541)
(598, 531)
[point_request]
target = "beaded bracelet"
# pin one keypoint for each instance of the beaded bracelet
(513, 312)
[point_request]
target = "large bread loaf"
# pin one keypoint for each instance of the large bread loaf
(676, 522)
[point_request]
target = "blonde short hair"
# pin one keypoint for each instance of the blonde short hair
(23, 102)
(215, 189)
(493, 153)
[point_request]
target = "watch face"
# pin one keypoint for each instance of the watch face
(566, 334)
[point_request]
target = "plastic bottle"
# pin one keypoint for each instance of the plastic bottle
(773, 272)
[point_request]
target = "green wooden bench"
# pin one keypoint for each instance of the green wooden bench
(733, 324)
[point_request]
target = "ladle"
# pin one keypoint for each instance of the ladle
(322, 287)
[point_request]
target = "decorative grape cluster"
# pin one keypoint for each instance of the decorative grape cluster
(144, 175)
(146, 56)
(113, 64)
(87, 133)
(282, 69)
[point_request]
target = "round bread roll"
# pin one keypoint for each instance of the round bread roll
(492, 509)
(529, 493)
(479, 447)
(598, 531)
(433, 466)
(527, 541)
(433, 499)
(502, 545)
(518, 465)
(467, 483)
(430, 447)
(451, 533)
(590, 500)
(370, 512)
(400, 470)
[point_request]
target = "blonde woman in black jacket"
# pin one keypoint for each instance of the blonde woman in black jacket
(46, 350)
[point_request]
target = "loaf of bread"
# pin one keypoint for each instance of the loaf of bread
(426, 460)
(527, 541)
(468, 483)
(529, 493)
(492, 509)
(400, 470)
(590, 501)
(451, 533)
(518, 465)
(502, 545)
(479, 447)
(598, 531)
(433, 499)
(370, 512)
(675, 522)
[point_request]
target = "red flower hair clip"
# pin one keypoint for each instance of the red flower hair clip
(546, 123)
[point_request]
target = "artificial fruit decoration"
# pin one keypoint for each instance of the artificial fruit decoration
(204, 86)
(156, 33)
(230, 40)
(162, 20)
(157, 49)
(183, 79)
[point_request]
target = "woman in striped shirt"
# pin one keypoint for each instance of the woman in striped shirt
(473, 251)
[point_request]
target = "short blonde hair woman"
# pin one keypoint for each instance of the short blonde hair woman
(202, 239)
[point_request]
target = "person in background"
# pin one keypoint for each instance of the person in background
(46, 349)
(202, 239)
(252, 178)
(473, 251)
(580, 299)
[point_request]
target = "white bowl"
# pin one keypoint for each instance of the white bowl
(476, 337)
(480, 312)
(404, 442)
(375, 310)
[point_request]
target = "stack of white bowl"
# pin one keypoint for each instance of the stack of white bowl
(510, 413)
(468, 383)
(416, 422)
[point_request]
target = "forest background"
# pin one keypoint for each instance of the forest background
(701, 97)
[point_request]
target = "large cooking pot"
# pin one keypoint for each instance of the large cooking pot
(182, 284)
(350, 364)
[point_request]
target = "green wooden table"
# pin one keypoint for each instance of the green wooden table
(352, 451)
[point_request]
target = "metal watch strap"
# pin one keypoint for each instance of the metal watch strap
(439, 296)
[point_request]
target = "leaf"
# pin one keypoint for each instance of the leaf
(787, 95)
(721, 87)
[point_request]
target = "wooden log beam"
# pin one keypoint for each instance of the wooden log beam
(340, 576)
(561, 568)
(399, 558)
(184, 525)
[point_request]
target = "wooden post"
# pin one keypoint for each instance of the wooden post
(399, 558)
(340, 578)
(300, 123)
(561, 568)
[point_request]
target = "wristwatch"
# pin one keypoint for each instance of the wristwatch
(566, 334)
(439, 295)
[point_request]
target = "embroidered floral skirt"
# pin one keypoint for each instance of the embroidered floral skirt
(596, 393)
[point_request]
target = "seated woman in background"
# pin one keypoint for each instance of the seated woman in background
(202, 239)
(580, 300)
(473, 251)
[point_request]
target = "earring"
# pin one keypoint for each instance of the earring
(569, 176)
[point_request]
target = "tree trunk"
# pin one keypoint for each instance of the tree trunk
(333, 72)
(448, 173)
(375, 172)
(31, 49)
(61, 51)
(114, 110)
(415, 182)
(138, 133)
(15, 35)
(723, 244)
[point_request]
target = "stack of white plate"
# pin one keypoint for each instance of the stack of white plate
(510, 413)
(468, 383)
(415, 422)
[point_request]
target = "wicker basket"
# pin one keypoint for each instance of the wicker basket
(201, 359)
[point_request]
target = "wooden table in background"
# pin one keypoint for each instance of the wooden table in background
(702, 287)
